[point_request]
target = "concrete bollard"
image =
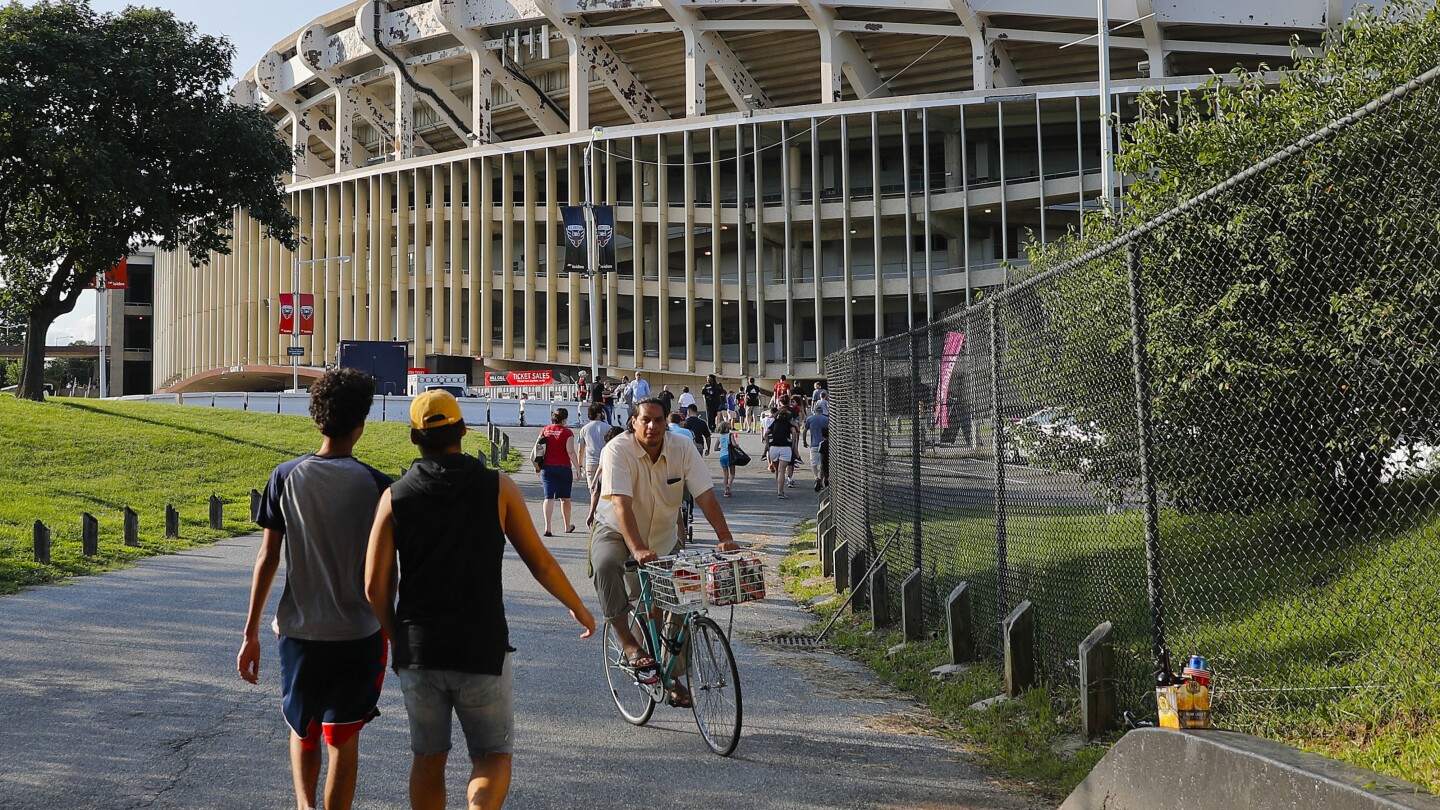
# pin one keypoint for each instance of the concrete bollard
(841, 566)
(1097, 682)
(960, 624)
(41, 543)
(880, 596)
(255, 506)
(858, 586)
(217, 513)
(504, 445)
(132, 527)
(1019, 632)
(172, 521)
(827, 551)
(912, 609)
(495, 455)
(89, 535)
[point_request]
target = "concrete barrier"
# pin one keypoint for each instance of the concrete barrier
(474, 410)
(163, 399)
(234, 400)
(295, 404)
(200, 399)
(1226, 770)
(268, 402)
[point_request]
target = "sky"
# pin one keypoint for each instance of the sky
(253, 26)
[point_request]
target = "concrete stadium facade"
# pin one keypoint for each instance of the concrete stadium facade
(789, 177)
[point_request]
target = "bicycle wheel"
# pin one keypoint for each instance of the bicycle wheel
(714, 686)
(631, 697)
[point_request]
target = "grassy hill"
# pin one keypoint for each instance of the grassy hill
(64, 457)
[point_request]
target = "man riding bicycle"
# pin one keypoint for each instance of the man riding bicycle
(645, 474)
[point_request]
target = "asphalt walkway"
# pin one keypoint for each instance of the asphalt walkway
(119, 691)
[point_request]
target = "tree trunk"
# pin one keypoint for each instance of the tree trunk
(32, 368)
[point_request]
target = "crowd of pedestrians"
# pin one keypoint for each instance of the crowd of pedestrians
(407, 573)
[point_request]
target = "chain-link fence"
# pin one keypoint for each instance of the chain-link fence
(1218, 431)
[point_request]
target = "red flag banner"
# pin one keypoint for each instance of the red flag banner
(307, 314)
(287, 314)
(520, 378)
(119, 276)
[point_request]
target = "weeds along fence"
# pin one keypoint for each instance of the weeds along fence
(1216, 431)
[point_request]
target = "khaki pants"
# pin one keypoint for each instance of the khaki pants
(616, 587)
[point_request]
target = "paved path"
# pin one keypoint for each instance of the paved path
(119, 691)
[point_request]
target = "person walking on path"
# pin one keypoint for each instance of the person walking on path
(781, 394)
(667, 399)
(698, 429)
(644, 475)
(599, 471)
(725, 439)
(315, 514)
(780, 448)
(641, 388)
(624, 399)
(558, 471)
(590, 441)
(752, 406)
(816, 428)
(438, 541)
(714, 395)
(686, 400)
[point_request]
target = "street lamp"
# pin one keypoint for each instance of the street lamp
(592, 260)
(295, 318)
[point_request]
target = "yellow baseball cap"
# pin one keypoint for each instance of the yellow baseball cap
(434, 409)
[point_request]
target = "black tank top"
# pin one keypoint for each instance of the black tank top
(451, 611)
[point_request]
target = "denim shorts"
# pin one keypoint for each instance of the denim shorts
(485, 705)
(558, 481)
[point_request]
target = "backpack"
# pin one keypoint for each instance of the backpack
(537, 453)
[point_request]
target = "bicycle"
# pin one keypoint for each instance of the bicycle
(685, 584)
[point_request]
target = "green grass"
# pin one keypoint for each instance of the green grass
(1321, 632)
(1035, 740)
(64, 457)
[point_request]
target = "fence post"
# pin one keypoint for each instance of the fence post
(827, 551)
(841, 564)
(916, 437)
(217, 513)
(42, 543)
(960, 624)
(1019, 633)
(89, 535)
(504, 445)
(172, 521)
(1155, 588)
(859, 591)
(912, 610)
(880, 596)
(255, 506)
(495, 454)
(132, 527)
(1097, 681)
(1002, 557)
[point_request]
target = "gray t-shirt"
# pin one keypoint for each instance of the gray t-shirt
(815, 428)
(593, 437)
(324, 507)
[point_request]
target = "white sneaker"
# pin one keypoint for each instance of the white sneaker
(789, 482)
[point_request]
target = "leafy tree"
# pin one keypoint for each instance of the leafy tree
(1294, 322)
(115, 130)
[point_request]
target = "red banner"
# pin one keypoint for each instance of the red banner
(520, 378)
(287, 314)
(307, 314)
(118, 277)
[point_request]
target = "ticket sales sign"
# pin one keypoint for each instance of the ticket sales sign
(519, 377)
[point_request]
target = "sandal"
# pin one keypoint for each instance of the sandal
(548, 534)
(571, 529)
(680, 698)
(646, 670)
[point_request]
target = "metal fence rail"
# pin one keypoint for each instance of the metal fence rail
(1218, 430)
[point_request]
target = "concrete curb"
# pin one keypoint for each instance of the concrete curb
(1220, 770)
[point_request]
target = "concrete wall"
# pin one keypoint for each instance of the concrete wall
(476, 410)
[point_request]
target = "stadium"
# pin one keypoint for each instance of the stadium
(788, 177)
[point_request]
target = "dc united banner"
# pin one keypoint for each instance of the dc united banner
(575, 248)
(288, 313)
(605, 238)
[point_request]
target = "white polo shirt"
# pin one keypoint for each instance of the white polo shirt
(656, 489)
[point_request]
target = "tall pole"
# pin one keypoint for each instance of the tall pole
(295, 324)
(295, 313)
(1107, 183)
(592, 260)
(104, 301)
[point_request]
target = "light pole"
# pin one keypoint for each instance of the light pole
(295, 316)
(592, 261)
(1102, 14)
